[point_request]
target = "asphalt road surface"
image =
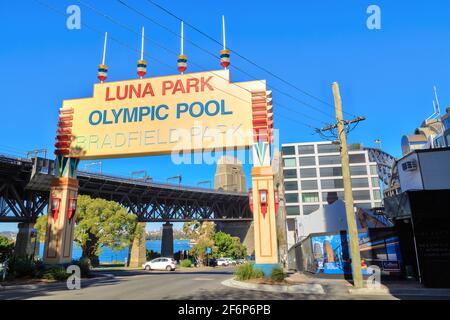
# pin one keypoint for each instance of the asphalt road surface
(157, 285)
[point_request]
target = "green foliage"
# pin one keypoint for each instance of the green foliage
(150, 255)
(228, 246)
(85, 266)
(41, 227)
(203, 236)
(278, 274)
(247, 271)
(6, 248)
(101, 223)
(186, 263)
(57, 273)
(25, 268)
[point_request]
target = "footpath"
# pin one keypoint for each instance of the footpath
(311, 284)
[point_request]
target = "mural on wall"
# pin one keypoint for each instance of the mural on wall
(331, 254)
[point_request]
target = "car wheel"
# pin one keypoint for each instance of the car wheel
(148, 268)
(169, 268)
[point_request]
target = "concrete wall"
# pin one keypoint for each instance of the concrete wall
(243, 230)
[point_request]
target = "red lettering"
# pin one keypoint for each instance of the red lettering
(125, 94)
(205, 83)
(137, 92)
(192, 83)
(166, 85)
(178, 87)
(108, 98)
(148, 90)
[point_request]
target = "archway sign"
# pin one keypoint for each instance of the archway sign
(164, 115)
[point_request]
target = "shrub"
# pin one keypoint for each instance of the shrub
(258, 273)
(246, 272)
(21, 267)
(85, 266)
(186, 263)
(56, 273)
(278, 274)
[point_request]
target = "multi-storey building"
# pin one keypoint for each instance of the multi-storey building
(313, 178)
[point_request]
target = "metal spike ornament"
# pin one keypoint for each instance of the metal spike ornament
(142, 64)
(224, 54)
(103, 68)
(182, 59)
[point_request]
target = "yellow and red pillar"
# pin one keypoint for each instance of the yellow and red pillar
(61, 213)
(264, 199)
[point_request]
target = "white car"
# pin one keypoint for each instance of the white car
(222, 262)
(231, 261)
(168, 264)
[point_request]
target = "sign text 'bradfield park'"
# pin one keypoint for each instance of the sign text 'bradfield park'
(161, 115)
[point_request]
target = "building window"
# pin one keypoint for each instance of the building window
(361, 195)
(376, 195)
(310, 197)
(331, 172)
(326, 160)
(291, 197)
(332, 184)
(358, 170)
(332, 196)
(309, 185)
(308, 173)
(308, 209)
(290, 185)
(328, 148)
(360, 183)
(289, 163)
(290, 174)
(309, 149)
(292, 210)
(375, 182)
(373, 170)
(291, 223)
(288, 151)
(307, 161)
(357, 158)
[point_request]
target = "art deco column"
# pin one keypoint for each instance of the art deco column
(61, 212)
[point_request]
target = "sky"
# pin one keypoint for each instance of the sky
(385, 75)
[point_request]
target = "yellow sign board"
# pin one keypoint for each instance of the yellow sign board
(163, 115)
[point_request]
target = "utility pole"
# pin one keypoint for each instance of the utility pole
(349, 207)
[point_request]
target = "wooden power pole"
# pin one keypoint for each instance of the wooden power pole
(349, 208)
(348, 195)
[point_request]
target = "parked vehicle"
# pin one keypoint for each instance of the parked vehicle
(168, 264)
(222, 262)
(240, 261)
(231, 261)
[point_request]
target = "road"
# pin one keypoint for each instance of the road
(131, 285)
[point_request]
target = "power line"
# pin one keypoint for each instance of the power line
(165, 64)
(241, 56)
(208, 52)
(130, 29)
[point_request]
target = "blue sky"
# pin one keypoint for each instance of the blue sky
(385, 75)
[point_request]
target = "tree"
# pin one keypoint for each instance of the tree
(228, 246)
(6, 248)
(99, 223)
(202, 234)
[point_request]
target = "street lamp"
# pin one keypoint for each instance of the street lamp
(378, 141)
(179, 178)
(93, 164)
(205, 182)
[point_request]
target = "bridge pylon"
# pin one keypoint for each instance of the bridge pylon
(61, 212)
